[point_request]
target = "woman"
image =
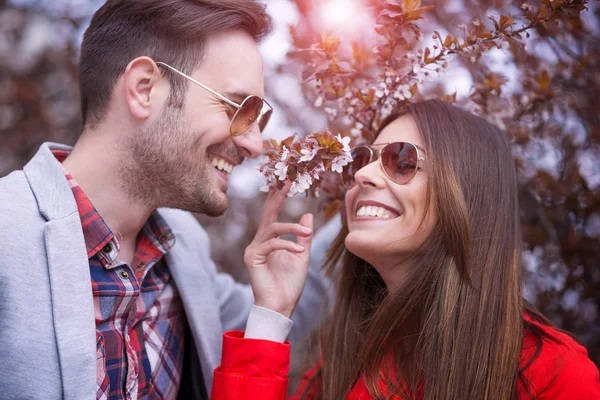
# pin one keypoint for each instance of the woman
(428, 304)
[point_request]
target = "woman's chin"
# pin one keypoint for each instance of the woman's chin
(372, 247)
(362, 245)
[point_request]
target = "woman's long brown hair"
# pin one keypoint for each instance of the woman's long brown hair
(454, 329)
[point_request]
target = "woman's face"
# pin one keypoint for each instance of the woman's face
(399, 229)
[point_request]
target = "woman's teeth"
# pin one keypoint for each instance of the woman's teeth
(222, 165)
(374, 211)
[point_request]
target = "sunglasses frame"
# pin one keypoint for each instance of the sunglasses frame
(377, 153)
(224, 99)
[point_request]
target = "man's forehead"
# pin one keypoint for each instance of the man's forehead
(234, 65)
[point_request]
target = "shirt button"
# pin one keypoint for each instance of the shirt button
(107, 248)
(124, 274)
(141, 265)
(163, 238)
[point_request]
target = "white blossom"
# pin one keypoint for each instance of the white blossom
(527, 7)
(331, 112)
(281, 170)
(304, 181)
(293, 190)
(338, 163)
(345, 141)
(403, 92)
(301, 184)
(310, 153)
(285, 153)
(317, 170)
(382, 90)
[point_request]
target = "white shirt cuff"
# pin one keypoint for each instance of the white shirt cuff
(267, 325)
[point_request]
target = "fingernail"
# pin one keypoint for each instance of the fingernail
(301, 248)
(306, 231)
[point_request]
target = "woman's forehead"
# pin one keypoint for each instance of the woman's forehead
(403, 129)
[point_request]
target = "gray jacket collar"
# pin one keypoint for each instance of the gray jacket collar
(48, 183)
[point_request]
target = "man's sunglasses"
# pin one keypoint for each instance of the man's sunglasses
(400, 161)
(252, 109)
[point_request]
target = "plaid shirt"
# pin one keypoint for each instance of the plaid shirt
(140, 321)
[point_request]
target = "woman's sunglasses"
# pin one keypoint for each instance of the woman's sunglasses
(400, 161)
(251, 110)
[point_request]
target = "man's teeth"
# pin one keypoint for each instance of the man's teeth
(222, 165)
(374, 211)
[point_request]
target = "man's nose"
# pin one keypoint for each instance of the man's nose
(250, 143)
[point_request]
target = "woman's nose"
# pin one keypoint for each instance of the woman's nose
(370, 175)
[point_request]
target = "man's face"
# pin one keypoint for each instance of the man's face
(190, 152)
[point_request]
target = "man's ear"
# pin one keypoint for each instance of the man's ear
(140, 79)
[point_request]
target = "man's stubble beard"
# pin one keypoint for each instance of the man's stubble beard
(163, 168)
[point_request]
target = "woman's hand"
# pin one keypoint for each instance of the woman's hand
(278, 267)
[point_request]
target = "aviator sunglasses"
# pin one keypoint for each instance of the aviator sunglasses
(252, 109)
(400, 161)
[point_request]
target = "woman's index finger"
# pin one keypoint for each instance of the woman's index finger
(274, 204)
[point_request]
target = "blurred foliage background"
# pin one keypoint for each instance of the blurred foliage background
(542, 90)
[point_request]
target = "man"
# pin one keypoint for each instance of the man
(107, 291)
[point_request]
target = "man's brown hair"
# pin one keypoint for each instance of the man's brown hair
(171, 31)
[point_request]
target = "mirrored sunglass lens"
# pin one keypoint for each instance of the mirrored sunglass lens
(246, 115)
(400, 161)
(360, 158)
(263, 120)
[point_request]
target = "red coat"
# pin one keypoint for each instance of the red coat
(257, 369)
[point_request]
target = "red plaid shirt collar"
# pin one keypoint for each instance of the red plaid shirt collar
(99, 238)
